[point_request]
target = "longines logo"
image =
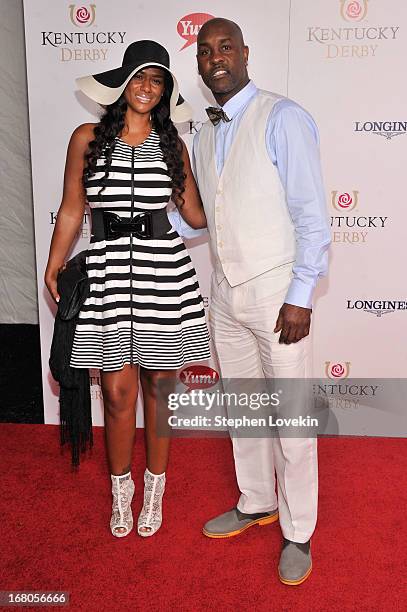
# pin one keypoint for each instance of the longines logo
(377, 307)
(82, 16)
(82, 45)
(188, 27)
(352, 229)
(353, 40)
(387, 129)
(337, 370)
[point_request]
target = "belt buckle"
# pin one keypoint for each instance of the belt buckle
(109, 218)
(145, 219)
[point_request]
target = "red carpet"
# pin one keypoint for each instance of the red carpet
(55, 533)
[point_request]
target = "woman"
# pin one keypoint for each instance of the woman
(144, 316)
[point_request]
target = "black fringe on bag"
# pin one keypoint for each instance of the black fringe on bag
(74, 396)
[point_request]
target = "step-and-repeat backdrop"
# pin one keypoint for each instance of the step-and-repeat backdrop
(343, 60)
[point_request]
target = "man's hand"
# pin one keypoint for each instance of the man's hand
(293, 322)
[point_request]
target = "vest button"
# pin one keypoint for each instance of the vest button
(219, 227)
(219, 192)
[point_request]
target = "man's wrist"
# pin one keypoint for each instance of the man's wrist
(299, 294)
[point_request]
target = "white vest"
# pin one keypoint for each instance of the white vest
(249, 224)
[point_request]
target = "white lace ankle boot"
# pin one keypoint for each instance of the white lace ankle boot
(150, 517)
(121, 522)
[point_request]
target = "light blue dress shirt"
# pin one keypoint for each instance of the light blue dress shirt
(293, 146)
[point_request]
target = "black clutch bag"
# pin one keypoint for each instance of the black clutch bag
(73, 287)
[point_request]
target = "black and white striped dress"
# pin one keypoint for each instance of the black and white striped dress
(161, 323)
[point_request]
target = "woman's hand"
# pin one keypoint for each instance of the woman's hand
(50, 280)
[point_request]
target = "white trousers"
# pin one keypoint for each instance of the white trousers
(242, 320)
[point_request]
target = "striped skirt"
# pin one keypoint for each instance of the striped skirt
(147, 311)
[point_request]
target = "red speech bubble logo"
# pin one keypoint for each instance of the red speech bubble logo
(188, 27)
(199, 377)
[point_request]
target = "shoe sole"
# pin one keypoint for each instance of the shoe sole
(295, 582)
(267, 520)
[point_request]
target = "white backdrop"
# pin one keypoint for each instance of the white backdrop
(341, 59)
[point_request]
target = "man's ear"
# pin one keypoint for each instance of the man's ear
(246, 54)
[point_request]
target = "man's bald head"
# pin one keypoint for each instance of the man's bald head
(222, 58)
(226, 24)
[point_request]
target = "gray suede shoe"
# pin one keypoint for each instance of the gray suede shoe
(234, 522)
(295, 562)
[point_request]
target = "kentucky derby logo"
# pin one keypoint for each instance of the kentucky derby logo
(337, 370)
(82, 16)
(353, 10)
(188, 27)
(344, 201)
(348, 228)
(350, 35)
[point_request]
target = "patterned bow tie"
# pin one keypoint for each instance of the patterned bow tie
(216, 115)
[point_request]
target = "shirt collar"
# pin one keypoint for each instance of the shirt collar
(240, 100)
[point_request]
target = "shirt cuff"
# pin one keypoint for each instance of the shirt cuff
(299, 294)
(182, 227)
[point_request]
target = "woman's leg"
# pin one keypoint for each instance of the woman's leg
(156, 385)
(120, 391)
(155, 414)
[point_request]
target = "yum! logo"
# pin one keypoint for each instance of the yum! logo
(353, 10)
(199, 377)
(337, 370)
(82, 16)
(188, 27)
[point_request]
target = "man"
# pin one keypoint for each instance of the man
(258, 170)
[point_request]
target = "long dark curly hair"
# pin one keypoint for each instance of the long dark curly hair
(111, 125)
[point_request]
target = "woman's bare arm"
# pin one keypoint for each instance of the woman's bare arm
(192, 210)
(70, 213)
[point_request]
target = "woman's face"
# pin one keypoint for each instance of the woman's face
(144, 90)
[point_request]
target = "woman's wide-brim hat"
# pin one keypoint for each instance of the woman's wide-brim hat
(107, 87)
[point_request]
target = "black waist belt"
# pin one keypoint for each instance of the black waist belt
(107, 225)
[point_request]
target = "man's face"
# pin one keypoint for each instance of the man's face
(222, 60)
